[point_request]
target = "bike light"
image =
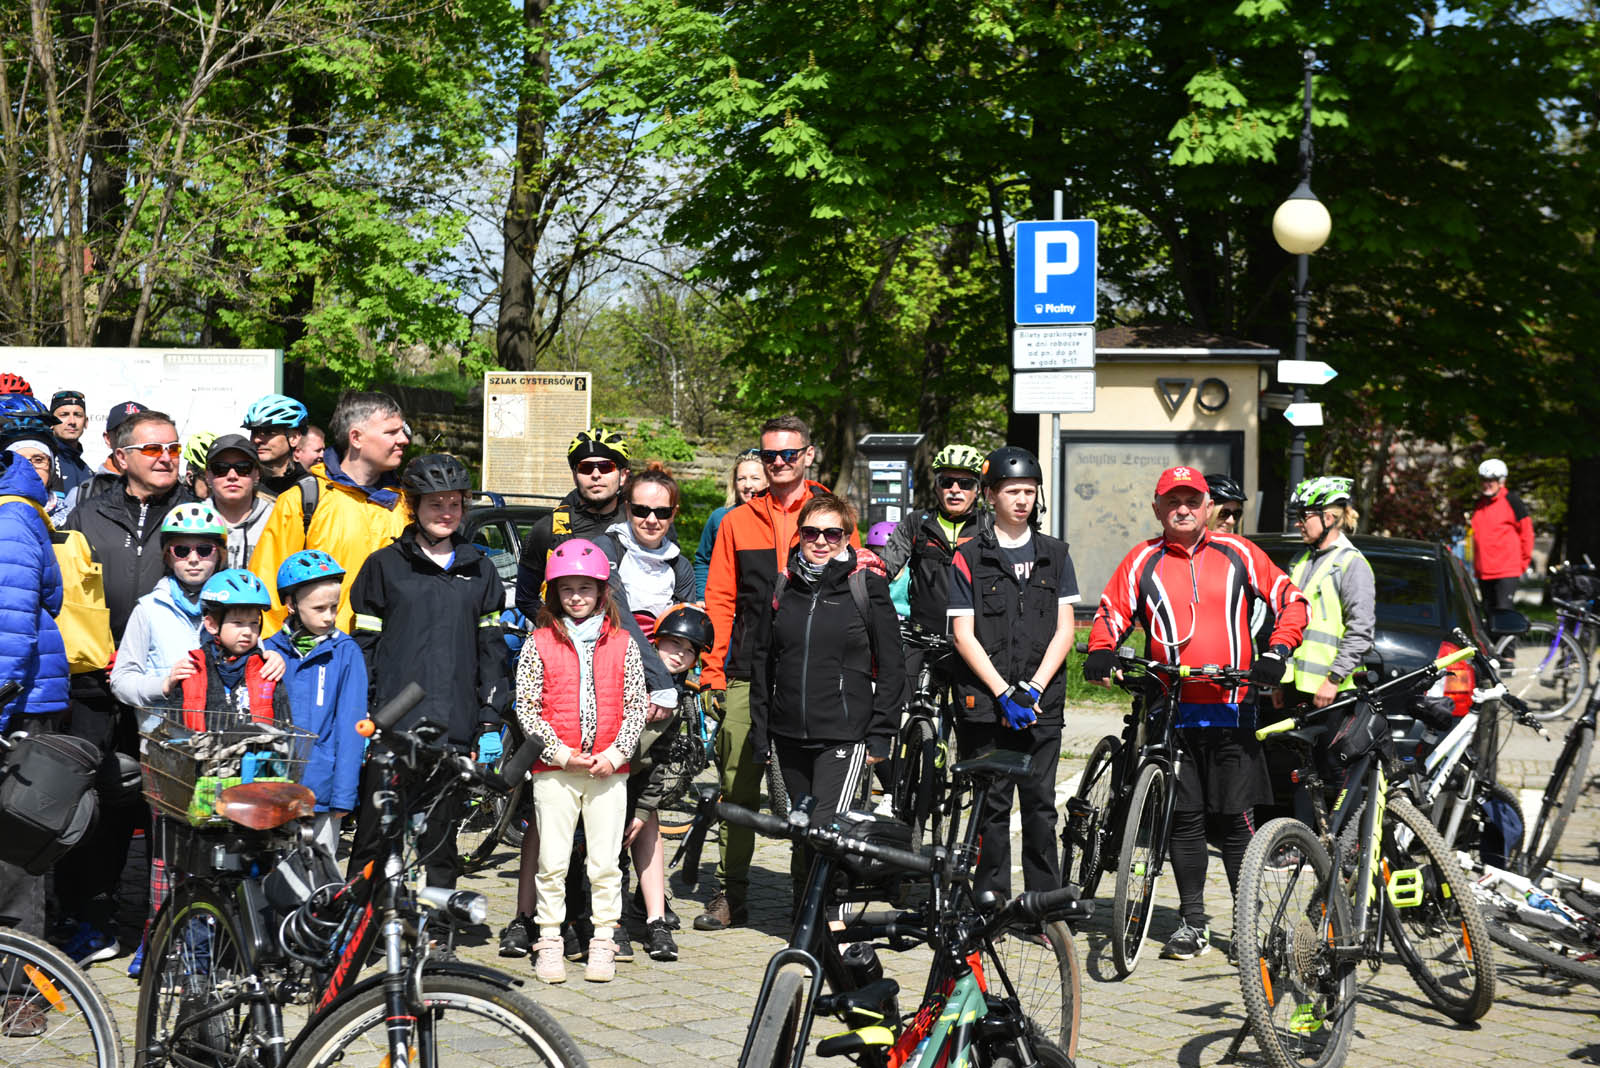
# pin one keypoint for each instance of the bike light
(463, 906)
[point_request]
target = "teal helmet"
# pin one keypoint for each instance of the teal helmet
(194, 520)
(1325, 491)
(235, 588)
(307, 565)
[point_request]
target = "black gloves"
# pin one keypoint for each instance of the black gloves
(1269, 668)
(1098, 665)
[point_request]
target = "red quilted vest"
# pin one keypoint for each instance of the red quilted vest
(199, 694)
(561, 678)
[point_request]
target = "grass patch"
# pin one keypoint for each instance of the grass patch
(1080, 692)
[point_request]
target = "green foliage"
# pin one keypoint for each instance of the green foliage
(697, 499)
(652, 441)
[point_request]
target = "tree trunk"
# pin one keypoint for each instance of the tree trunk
(1583, 509)
(522, 227)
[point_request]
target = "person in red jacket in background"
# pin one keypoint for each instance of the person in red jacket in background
(1502, 537)
(1192, 589)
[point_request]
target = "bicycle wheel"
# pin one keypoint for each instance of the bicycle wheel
(1547, 672)
(196, 957)
(460, 1016)
(1083, 831)
(776, 1031)
(1042, 965)
(483, 813)
(1143, 841)
(1289, 914)
(1535, 944)
(913, 789)
(1561, 795)
(1433, 919)
(518, 814)
(76, 1024)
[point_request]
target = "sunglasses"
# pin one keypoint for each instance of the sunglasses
(154, 450)
(957, 482)
(1230, 513)
(596, 467)
(238, 467)
(788, 456)
(641, 511)
(831, 535)
(199, 552)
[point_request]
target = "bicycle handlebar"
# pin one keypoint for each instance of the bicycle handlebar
(1399, 683)
(500, 780)
(825, 839)
(397, 706)
(1223, 676)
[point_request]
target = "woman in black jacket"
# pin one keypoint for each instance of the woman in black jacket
(828, 675)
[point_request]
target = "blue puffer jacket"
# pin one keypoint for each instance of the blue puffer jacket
(30, 596)
(328, 696)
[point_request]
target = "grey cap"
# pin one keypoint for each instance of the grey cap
(232, 443)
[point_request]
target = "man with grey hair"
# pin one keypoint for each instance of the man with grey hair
(349, 506)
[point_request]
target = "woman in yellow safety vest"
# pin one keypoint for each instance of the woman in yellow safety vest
(1338, 582)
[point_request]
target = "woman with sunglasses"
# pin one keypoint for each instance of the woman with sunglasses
(234, 478)
(1227, 505)
(748, 478)
(653, 572)
(827, 671)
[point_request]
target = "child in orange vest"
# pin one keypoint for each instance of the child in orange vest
(226, 687)
(581, 690)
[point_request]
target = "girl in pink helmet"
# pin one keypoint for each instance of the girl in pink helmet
(581, 690)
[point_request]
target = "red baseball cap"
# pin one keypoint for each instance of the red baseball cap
(1174, 477)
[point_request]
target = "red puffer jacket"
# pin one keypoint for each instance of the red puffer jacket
(560, 699)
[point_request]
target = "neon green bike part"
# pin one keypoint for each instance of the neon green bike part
(1274, 728)
(1304, 1020)
(1405, 888)
(1454, 658)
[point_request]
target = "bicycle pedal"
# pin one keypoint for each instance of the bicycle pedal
(1405, 888)
(1304, 1020)
(857, 1041)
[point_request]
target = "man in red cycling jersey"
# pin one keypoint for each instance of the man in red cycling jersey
(1191, 590)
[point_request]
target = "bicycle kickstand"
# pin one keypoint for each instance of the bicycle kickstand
(1231, 1055)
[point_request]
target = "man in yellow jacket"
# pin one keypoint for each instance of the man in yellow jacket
(349, 506)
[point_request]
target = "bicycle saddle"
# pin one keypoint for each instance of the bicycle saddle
(261, 806)
(997, 764)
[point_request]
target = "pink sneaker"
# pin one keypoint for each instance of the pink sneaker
(602, 966)
(548, 964)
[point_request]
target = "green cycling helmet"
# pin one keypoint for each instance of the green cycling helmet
(958, 458)
(196, 449)
(1325, 491)
(193, 520)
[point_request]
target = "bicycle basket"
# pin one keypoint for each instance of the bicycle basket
(185, 771)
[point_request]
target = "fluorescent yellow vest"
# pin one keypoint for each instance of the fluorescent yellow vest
(1309, 666)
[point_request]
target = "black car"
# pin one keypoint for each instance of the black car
(1423, 595)
(499, 524)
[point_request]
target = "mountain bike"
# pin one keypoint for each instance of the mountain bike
(1548, 666)
(922, 751)
(1565, 786)
(693, 750)
(491, 818)
(1124, 802)
(260, 921)
(1313, 902)
(969, 1010)
(1554, 923)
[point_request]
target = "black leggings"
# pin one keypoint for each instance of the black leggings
(1187, 844)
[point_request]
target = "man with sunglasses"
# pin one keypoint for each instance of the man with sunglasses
(1191, 590)
(926, 540)
(276, 423)
(111, 468)
(598, 458)
(67, 406)
(752, 545)
(235, 478)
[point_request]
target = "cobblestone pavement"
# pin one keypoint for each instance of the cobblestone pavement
(695, 1011)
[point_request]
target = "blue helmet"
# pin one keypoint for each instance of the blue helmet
(15, 405)
(235, 588)
(276, 410)
(307, 565)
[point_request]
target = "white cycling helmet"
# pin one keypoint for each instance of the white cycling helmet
(1492, 469)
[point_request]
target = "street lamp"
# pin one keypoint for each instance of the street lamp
(1301, 226)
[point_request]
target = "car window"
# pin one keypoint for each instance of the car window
(1408, 589)
(492, 536)
(524, 532)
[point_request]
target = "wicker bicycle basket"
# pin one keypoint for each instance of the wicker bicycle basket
(184, 770)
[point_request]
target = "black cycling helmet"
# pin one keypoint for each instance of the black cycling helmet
(437, 472)
(688, 622)
(1224, 488)
(1011, 461)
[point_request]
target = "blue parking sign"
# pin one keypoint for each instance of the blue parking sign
(1055, 283)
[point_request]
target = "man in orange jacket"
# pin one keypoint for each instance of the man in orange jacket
(752, 546)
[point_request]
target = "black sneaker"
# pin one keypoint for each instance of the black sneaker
(658, 941)
(1187, 943)
(517, 937)
(624, 947)
(573, 946)
(673, 922)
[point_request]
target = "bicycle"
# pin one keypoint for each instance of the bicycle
(1548, 664)
(1557, 929)
(692, 751)
(1312, 903)
(491, 818)
(1124, 802)
(922, 750)
(962, 1013)
(261, 922)
(1565, 786)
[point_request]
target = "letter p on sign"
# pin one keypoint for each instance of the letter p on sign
(1044, 266)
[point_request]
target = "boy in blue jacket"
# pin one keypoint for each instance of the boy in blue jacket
(327, 685)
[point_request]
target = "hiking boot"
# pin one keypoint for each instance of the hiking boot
(720, 914)
(634, 915)
(1187, 942)
(658, 941)
(547, 962)
(602, 966)
(673, 922)
(518, 937)
(22, 1018)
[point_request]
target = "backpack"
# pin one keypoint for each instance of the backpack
(310, 490)
(858, 594)
(84, 619)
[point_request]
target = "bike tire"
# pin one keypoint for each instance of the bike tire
(775, 1030)
(1441, 939)
(507, 1028)
(518, 815)
(1547, 672)
(51, 982)
(1560, 797)
(1042, 964)
(1138, 868)
(1285, 920)
(1046, 1054)
(913, 790)
(195, 951)
(1083, 837)
(1535, 945)
(483, 814)
(1469, 836)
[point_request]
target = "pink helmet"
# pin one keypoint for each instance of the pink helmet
(580, 557)
(878, 536)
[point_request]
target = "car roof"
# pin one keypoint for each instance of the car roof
(1367, 543)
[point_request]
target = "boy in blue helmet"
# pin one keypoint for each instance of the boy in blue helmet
(228, 686)
(327, 685)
